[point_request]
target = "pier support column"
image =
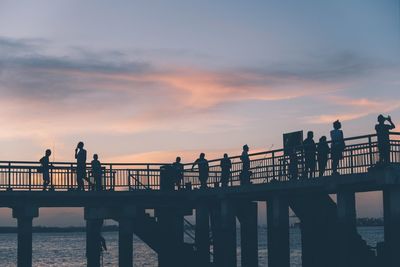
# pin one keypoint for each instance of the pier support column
(346, 211)
(93, 245)
(249, 234)
(278, 231)
(223, 225)
(391, 209)
(202, 234)
(125, 242)
(24, 216)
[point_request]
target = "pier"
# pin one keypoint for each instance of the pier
(142, 199)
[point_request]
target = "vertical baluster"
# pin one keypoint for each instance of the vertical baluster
(370, 150)
(9, 177)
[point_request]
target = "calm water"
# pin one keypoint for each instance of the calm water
(68, 249)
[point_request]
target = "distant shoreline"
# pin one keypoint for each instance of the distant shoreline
(114, 228)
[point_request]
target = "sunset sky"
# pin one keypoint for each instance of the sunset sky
(148, 80)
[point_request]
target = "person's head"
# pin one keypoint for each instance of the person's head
(48, 152)
(225, 155)
(95, 157)
(245, 148)
(381, 119)
(337, 125)
(322, 139)
(178, 159)
(80, 145)
(310, 134)
(202, 155)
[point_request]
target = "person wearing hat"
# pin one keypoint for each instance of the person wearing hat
(382, 133)
(337, 146)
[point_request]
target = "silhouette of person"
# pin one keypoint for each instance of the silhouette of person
(293, 164)
(97, 172)
(80, 156)
(322, 155)
(226, 166)
(178, 168)
(310, 150)
(337, 146)
(246, 173)
(382, 132)
(203, 169)
(45, 168)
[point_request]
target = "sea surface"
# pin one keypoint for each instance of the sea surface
(68, 249)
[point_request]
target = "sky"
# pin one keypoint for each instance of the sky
(145, 81)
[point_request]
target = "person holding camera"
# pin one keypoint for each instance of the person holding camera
(382, 132)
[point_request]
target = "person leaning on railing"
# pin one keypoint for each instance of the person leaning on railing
(202, 163)
(226, 165)
(382, 133)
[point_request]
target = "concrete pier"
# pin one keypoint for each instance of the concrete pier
(24, 216)
(391, 200)
(346, 213)
(278, 231)
(228, 233)
(248, 233)
(125, 242)
(202, 234)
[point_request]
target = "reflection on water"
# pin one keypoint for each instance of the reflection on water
(68, 249)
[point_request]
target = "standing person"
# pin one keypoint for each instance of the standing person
(382, 132)
(246, 173)
(45, 168)
(80, 156)
(203, 169)
(310, 150)
(337, 146)
(226, 166)
(178, 168)
(322, 155)
(97, 172)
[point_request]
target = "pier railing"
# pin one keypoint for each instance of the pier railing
(361, 153)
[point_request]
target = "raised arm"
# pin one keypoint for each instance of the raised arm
(391, 123)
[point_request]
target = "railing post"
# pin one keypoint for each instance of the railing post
(111, 178)
(273, 167)
(370, 150)
(129, 180)
(30, 179)
(148, 172)
(9, 177)
(351, 162)
(70, 181)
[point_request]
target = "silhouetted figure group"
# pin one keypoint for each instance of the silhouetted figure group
(81, 169)
(313, 153)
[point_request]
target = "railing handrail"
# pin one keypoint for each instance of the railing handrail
(185, 164)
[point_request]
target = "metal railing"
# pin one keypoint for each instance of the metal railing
(361, 153)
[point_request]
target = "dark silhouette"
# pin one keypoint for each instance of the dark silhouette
(310, 150)
(322, 155)
(178, 168)
(293, 164)
(80, 156)
(202, 163)
(97, 172)
(337, 146)
(246, 173)
(226, 166)
(382, 132)
(45, 169)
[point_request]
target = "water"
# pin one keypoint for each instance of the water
(68, 249)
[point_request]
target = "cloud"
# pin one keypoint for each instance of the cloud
(84, 91)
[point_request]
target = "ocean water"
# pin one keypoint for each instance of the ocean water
(68, 249)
